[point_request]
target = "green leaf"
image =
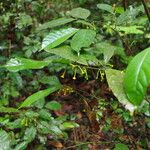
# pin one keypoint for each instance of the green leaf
(55, 23)
(79, 12)
(15, 124)
(40, 104)
(29, 134)
(45, 115)
(121, 146)
(46, 128)
(106, 7)
(85, 23)
(51, 80)
(83, 38)
(17, 64)
(21, 146)
(107, 49)
(69, 125)
(129, 29)
(55, 130)
(67, 53)
(137, 77)
(24, 21)
(4, 140)
(38, 95)
(119, 10)
(53, 105)
(128, 16)
(8, 110)
(57, 37)
(115, 81)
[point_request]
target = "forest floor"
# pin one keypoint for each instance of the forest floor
(99, 132)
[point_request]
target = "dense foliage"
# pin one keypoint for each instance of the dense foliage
(63, 61)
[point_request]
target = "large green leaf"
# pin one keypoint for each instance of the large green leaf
(4, 140)
(38, 95)
(137, 77)
(55, 23)
(17, 64)
(83, 38)
(115, 82)
(109, 50)
(106, 49)
(79, 12)
(128, 16)
(67, 53)
(57, 37)
(106, 7)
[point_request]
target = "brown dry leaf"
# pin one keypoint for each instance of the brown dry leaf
(80, 134)
(91, 116)
(65, 108)
(79, 115)
(56, 144)
(116, 122)
(139, 148)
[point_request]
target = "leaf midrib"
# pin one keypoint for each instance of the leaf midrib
(139, 68)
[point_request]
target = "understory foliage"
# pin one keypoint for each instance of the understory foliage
(43, 42)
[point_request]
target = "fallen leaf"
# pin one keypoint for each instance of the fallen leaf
(56, 144)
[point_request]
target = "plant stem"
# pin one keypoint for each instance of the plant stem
(146, 9)
(125, 5)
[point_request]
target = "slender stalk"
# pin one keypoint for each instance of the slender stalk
(146, 9)
(125, 5)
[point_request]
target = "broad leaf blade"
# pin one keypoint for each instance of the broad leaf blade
(83, 38)
(21, 146)
(106, 7)
(137, 77)
(55, 23)
(57, 37)
(79, 12)
(30, 134)
(53, 105)
(106, 49)
(129, 29)
(17, 64)
(128, 16)
(67, 53)
(109, 50)
(115, 82)
(4, 140)
(37, 96)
